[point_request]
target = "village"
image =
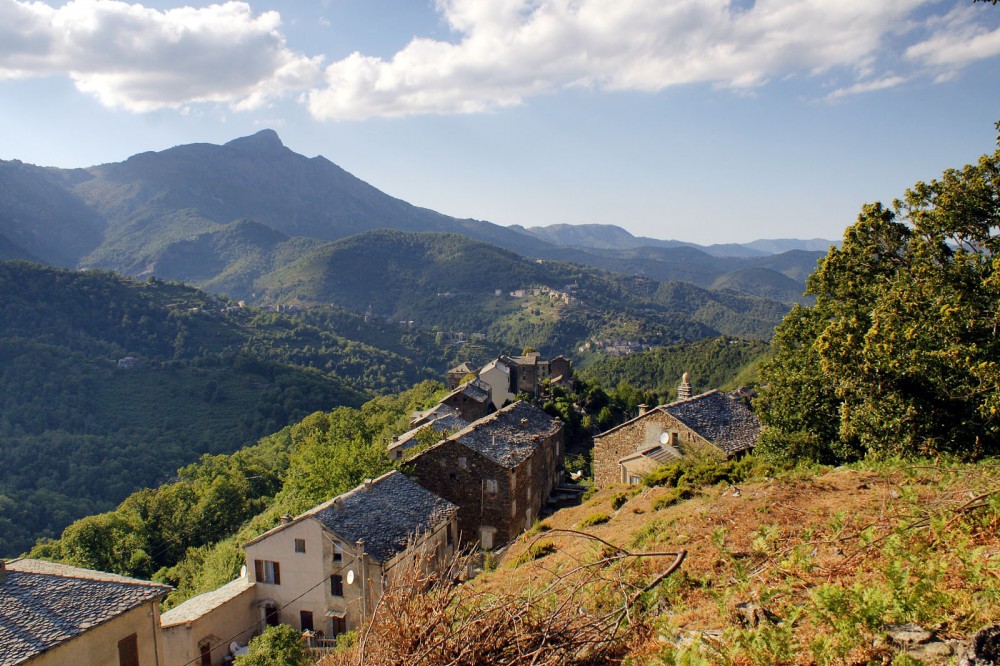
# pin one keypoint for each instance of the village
(481, 467)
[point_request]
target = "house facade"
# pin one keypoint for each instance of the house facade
(499, 471)
(204, 629)
(324, 571)
(54, 614)
(713, 423)
(509, 376)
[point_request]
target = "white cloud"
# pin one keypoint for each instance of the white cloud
(137, 58)
(884, 83)
(958, 38)
(506, 50)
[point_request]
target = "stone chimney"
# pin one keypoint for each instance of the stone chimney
(285, 519)
(684, 390)
(643, 409)
(369, 483)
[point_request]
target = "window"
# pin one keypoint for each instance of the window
(634, 480)
(491, 485)
(463, 462)
(128, 651)
(300, 545)
(306, 620)
(271, 615)
(267, 572)
(337, 585)
(205, 650)
(338, 625)
(338, 552)
(449, 536)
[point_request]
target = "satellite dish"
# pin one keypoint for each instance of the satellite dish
(664, 438)
(243, 571)
(350, 576)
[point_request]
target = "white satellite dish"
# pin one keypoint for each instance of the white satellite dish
(350, 576)
(243, 571)
(664, 437)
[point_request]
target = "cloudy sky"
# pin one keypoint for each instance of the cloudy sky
(700, 120)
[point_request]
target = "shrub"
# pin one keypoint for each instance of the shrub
(594, 519)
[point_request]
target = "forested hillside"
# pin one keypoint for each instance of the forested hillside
(198, 375)
(721, 363)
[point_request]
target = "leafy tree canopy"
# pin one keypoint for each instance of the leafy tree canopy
(899, 354)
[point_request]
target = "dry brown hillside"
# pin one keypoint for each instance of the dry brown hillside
(817, 566)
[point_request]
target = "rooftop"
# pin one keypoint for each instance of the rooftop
(510, 435)
(440, 424)
(43, 604)
(721, 418)
(196, 607)
(384, 513)
(476, 389)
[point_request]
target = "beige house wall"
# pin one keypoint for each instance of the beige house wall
(499, 380)
(304, 577)
(99, 646)
(638, 434)
(238, 619)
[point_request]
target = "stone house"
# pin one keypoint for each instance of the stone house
(441, 425)
(712, 423)
(499, 470)
(203, 629)
(457, 374)
(54, 614)
(324, 571)
(510, 375)
(472, 400)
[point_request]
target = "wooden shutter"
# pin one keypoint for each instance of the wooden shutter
(277, 574)
(128, 651)
(258, 570)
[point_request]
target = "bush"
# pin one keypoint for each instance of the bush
(277, 646)
(594, 519)
(618, 501)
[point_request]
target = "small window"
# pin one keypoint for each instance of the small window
(463, 462)
(267, 572)
(300, 545)
(337, 585)
(306, 620)
(634, 480)
(491, 485)
(338, 552)
(338, 625)
(450, 538)
(399, 453)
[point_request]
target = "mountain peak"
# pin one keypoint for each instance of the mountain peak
(266, 140)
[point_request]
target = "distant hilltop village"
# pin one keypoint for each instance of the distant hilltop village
(480, 468)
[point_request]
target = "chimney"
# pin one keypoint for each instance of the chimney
(643, 409)
(369, 483)
(285, 519)
(338, 503)
(684, 390)
(3, 570)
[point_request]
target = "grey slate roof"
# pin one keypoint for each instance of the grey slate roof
(658, 454)
(43, 604)
(441, 424)
(476, 389)
(721, 418)
(198, 606)
(384, 513)
(510, 435)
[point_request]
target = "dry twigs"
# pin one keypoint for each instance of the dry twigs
(587, 615)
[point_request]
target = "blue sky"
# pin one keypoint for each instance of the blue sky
(698, 120)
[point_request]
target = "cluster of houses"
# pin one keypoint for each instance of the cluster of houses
(480, 475)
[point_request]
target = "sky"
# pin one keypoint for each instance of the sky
(706, 121)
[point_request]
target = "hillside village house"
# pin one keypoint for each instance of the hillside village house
(443, 420)
(210, 627)
(713, 423)
(54, 614)
(325, 570)
(510, 375)
(499, 470)
(455, 376)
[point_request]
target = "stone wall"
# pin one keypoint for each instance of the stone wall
(639, 433)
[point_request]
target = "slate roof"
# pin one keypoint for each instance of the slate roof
(441, 424)
(721, 418)
(510, 435)
(43, 604)
(196, 607)
(385, 513)
(476, 389)
(658, 454)
(463, 369)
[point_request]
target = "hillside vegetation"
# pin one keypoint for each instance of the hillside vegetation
(801, 566)
(78, 433)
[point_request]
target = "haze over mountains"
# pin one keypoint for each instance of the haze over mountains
(226, 217)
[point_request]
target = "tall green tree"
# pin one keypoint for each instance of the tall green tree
(899, 353)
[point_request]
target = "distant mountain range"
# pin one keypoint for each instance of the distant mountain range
(230, 218)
